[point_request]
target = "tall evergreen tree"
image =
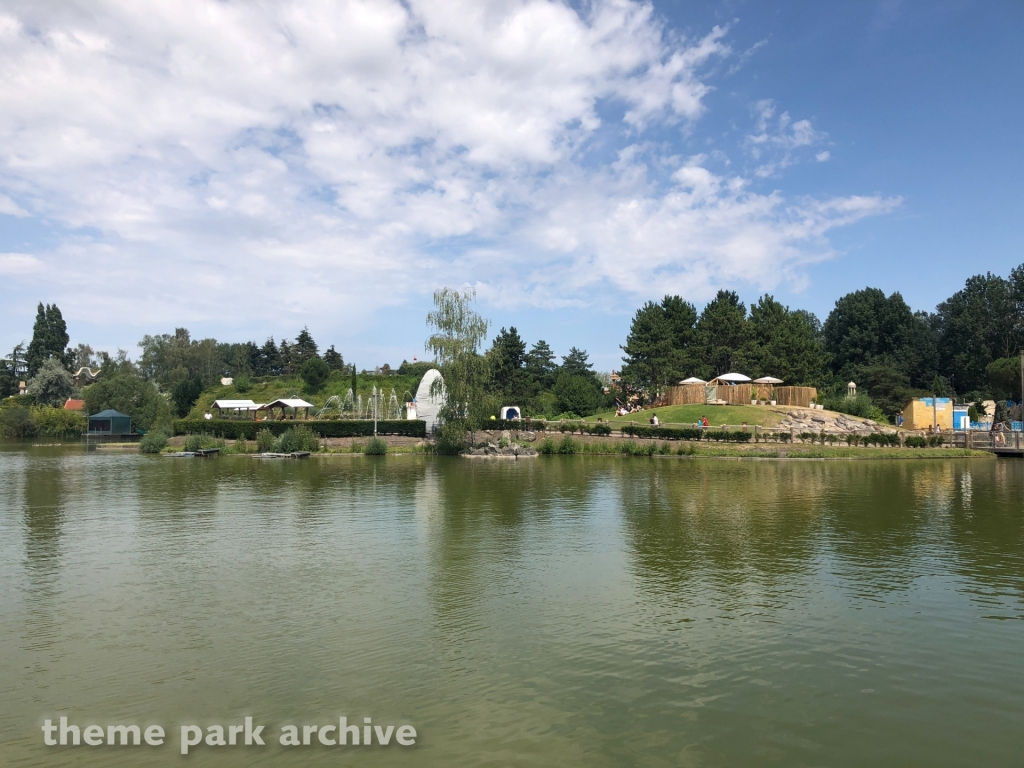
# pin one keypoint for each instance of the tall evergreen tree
(785, 344)
(540, 365)
(49, 338)
(649, 363)
(576, 363)
(334, 359)
(303, 349)
(505, 359)
(722, 334)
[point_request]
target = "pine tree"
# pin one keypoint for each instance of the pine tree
(303, 350)
(334, 359)
(540, 366)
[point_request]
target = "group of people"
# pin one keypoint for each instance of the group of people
(622, 409)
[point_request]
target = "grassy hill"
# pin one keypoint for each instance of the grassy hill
(762, 415)
(272, 388)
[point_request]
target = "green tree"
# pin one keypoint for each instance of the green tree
(304, 349)
(647, 364)
(506, 359)
(130, 395)
(576, 394)
(52, 384)
(49, 339)
(540, 366)
(721, 333)
(977, 325)
(785, 344)
(1004, 376)
(315, 372)
(169, 359)
(269, 359)
(576, 363)
(866, 328)
(185, 394)
(334, 359)
(458, 333)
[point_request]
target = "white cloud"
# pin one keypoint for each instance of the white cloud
(11, 208)
(19, 264)
(303, 155)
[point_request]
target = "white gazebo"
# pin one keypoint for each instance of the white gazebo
(693, 380)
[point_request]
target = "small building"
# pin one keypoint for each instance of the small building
(74, 405)
(110, 422)
(925, 412)
(511, 412)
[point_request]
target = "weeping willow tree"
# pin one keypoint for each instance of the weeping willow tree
(458, 333)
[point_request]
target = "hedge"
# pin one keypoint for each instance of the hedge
(231, 429)
(688, 433)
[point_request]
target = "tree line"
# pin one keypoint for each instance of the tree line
(968, 347)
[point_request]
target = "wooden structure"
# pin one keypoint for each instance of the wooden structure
(284, 404)
(926, 412)
(798, 396)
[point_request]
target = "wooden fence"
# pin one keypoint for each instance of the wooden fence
(739, 394)
(801, 396)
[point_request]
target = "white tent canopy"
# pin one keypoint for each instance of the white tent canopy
(693, 380)
(234, 405)
(767, 380)
(731, 378)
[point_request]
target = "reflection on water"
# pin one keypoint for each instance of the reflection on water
(564, 610)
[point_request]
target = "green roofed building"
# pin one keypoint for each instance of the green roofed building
(110, 422)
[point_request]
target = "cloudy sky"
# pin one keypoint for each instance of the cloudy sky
(247, 168)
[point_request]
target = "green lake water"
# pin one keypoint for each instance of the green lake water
(570, 611)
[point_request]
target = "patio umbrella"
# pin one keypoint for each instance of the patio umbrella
(767, 380)
(693, 380)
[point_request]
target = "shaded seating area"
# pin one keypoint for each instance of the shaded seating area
(283, 405)
(236, 408)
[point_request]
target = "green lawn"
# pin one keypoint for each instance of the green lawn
(762, 415)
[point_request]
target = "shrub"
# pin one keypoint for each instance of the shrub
(600, 429)
(264, 441)
(547, 446)
(153, 441)
(576, 394)
(17, 423)
(242, 384)
(568, 446)
(240, 445)
(376, 447)
(300, 438)
(56, 422)
(936, 441)
(916, 441)
(665, 449)
(315, 372)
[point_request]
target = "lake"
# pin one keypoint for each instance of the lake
(572, 611)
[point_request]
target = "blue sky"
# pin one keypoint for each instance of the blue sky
(245, 171)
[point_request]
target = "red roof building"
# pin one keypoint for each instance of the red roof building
(74, 405)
